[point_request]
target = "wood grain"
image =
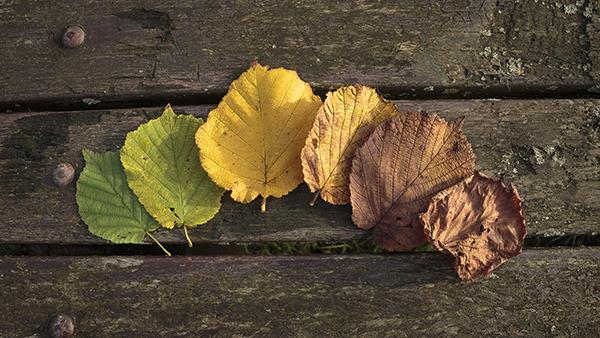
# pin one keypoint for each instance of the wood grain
(549, 149)
(540, 293)
(150, 51)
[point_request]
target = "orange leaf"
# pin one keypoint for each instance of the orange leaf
(345, 120)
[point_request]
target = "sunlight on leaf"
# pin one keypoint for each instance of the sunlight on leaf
(347, 117)
(163, 170)
(251, 142)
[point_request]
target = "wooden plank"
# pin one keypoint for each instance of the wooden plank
(550, 149)
(153, 50)
(540, 293)
(38, 212)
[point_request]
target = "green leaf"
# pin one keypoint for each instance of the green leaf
(107, 205)
(163, 169)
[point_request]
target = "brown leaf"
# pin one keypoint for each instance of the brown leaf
(406, 160)
(479, 222)
(345, 120)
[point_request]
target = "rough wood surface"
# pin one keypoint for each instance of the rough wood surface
(540, 293)
(550, 150)
(153, 50)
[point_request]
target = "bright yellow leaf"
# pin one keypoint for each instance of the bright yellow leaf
(251, 142)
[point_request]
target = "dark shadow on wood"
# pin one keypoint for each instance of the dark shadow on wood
(76, 103)
(271, 249)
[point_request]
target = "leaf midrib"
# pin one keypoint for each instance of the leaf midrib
(395, 203)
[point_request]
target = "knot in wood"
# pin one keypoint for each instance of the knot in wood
(63, 174)
(73, 37)
(62, 326)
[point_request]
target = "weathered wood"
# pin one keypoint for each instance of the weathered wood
(151, 50)
(540, 293)
(34, 211)
(550, 149)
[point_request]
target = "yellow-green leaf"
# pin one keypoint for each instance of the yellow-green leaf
(163, 170)
(345, 120)
(251, 142)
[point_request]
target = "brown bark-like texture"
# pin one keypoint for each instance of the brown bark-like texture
(479, 221)
(156, 50)
(537, 294)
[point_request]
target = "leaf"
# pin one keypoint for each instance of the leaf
(251, 142)
(345, 120)
(406, 160)
(478, 221)
(163, 170)
(107, 205)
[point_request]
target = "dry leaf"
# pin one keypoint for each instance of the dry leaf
(347, 117)
(479, 222)
(406, 160)
(251, 142)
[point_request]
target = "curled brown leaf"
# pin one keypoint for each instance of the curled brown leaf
(479, 221)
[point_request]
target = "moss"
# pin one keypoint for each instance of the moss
(33, 135)
(304, 248)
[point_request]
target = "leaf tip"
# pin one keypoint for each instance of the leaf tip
(87, 154)
(168, 110)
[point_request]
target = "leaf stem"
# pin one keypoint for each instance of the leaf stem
(187, 237)
(315, 198)
(160, 245)
(263, 205)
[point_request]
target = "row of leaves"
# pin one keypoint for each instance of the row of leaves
(409, 176)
